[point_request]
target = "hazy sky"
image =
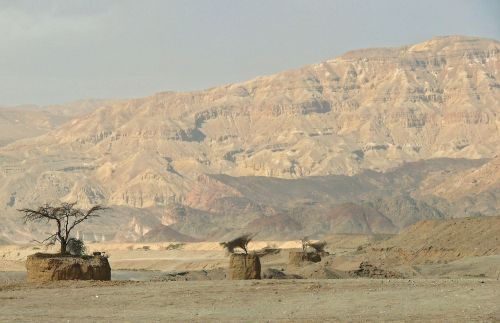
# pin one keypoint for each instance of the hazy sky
(59, 51)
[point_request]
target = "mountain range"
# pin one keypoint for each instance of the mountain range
(368, 142)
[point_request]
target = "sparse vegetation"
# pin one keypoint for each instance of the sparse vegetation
(318, 246)
(174, 246)
(66, 216)
(76, 247)
(240, 242)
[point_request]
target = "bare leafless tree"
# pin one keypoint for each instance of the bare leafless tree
(66, 216)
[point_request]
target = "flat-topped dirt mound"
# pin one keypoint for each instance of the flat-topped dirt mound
(437, 241)
(42, 267)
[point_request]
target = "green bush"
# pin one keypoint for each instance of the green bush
(76, 247)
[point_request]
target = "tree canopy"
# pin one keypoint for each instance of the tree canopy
(66, 216)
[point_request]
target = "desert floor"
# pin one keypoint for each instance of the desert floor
(464, 290)
(442, 300)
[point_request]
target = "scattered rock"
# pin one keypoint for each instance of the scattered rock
(297, 258)
(49, 267)
(369, 270)
(243, 266)
(195, 275)
(272, 273)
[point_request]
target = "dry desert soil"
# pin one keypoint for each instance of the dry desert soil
(440, 300)
(449, 272)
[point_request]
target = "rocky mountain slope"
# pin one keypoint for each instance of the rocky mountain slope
(365, 112)
(370, 202)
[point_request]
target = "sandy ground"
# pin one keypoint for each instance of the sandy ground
(464, 290)
(130, 257)
(441, 300)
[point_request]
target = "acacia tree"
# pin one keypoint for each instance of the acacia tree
(240, 242)
(66, 216)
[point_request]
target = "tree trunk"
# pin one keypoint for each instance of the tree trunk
(63, 246)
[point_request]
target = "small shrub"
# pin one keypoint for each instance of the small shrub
(76, 247)
(174, 246)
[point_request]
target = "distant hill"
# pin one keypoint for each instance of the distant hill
(440, 241)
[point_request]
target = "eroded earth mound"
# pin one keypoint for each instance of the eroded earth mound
(243, 266)
(49, 267)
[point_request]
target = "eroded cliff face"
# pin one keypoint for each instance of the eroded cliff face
(368, 109)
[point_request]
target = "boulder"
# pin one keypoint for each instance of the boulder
(272, 273)
(243, 266)
(49, 267)
(297, 258)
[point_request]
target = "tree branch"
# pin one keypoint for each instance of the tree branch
(62, 215)
(93, 212)
(52, 237)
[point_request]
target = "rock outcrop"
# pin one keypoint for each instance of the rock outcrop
(369, 270)
(49, 267)
(272, 273)
(243, 266)
(298, 258)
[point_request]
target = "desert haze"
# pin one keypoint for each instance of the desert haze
(366, 188)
